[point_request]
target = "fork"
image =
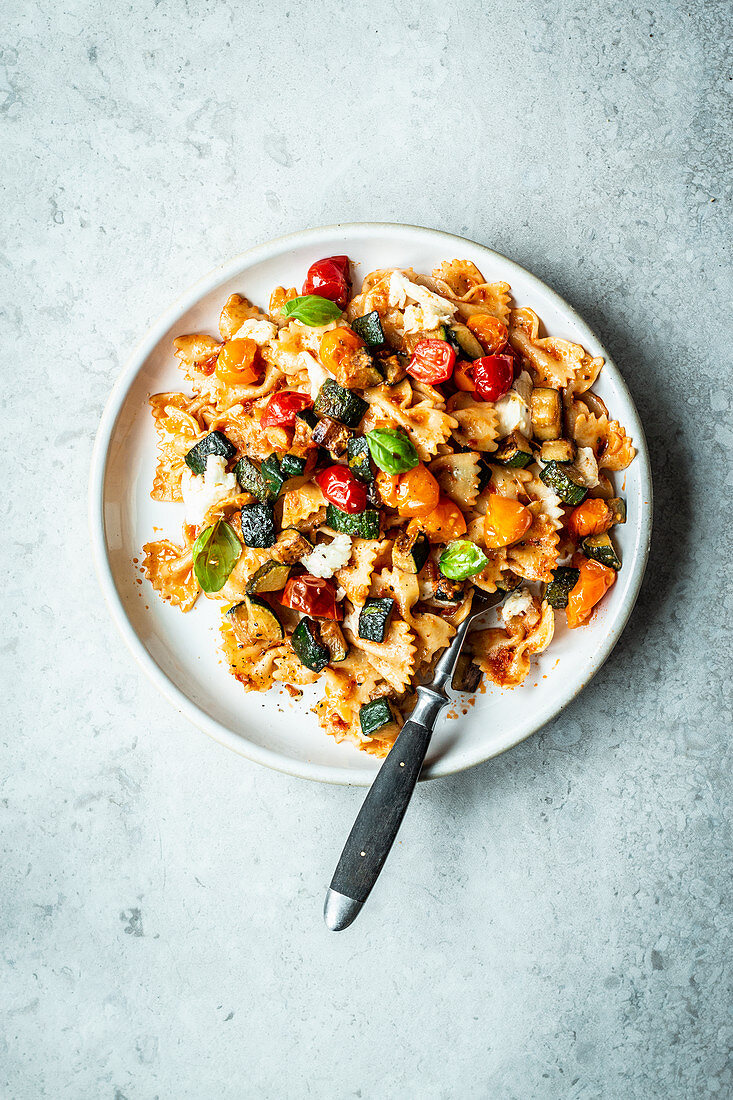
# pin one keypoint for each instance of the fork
(381, 814)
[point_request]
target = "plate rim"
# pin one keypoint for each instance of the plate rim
(218, 275)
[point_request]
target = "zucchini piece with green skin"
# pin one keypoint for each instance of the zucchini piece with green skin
(467, 675)
(292, 466)
(365, 525)
(258, 524)
(360, 462)
(514, 452)
(375, 716)
(558, 450)
(308, 647)
(564, 580)
(340, 404)
(560, 478)
(618, 507)
(410, 552)
(332, 636)
(272, 474)
(463, 342)
(270, 577)
(600, 548)
(394, 368)
(253, 620)
(333, 436)
(546, 409)
(215, 443)
(369, 328)
(374, 618)
(252, 481)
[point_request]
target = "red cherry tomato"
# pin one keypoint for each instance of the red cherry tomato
(313, 596)
(280, 410)
(329, 278)
(340, 487)
(493, 376)
(432, 361)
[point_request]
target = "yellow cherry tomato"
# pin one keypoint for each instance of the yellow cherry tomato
(236, 363)
(505, 522)
(338, 345)
(592, 584)
(445, 522)
(414, 493)
(490, 332)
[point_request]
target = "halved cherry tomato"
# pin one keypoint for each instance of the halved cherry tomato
(593, 583)
(337, 345)
(432, 361)
(463, 376)
(329, 278)
(236, 363)
(490, 332)
(445, 522)
(592, 517)
(493, 375)
(505, 522)
(414, 493)
(280, 410)
(340, 487)
(313, 596)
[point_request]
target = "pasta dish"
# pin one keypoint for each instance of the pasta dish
(351, 465)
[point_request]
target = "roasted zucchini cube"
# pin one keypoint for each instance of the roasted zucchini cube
(546, 408)
(215, 443)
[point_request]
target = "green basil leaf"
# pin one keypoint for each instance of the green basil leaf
(311, 309)
(215, 553)
(392, 450)
(462, 559)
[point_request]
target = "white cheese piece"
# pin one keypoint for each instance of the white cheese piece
(317, 374)
(520, 603)
(428, 311)
(512, 414)
(202, 493)
(513, 411)
(587, 467)
(326, 558)
(259, 331)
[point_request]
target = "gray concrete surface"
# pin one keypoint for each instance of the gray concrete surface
(555, 924)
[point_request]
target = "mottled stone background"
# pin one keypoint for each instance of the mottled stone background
(555, 924)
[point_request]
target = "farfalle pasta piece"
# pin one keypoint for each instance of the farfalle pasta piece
(462, 281)
(169, 568)
(458, 477)
(178, 429)
(504, 654)
(555, 362)
(355, 576)
(476, 422)
(348, 686)
(253, 665)
(535, 557)
(424, 420)
(236, 311)
(431, 632)
(289, 669)
(394, 658)
(607, 438)
(301, 504)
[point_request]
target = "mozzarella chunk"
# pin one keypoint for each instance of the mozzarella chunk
(326, 558)
(202, 493)
(427, 310)
(259, 331)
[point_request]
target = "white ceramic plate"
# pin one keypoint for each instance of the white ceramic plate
(180, 653)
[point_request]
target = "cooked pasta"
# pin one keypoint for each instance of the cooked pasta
(352, 466)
